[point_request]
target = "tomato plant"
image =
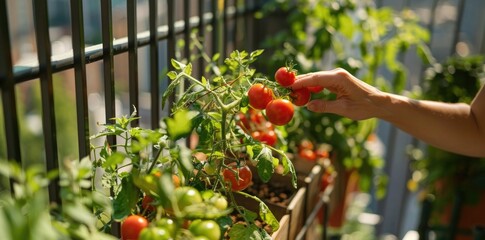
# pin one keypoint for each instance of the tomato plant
(259, 96)
(132, 226)
(239, 178)
(300, 97)
(215, 115)
(279, 111)
(285, 76)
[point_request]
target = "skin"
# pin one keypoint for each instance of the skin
(455, 127)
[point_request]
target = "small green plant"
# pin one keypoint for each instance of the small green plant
(26, 214)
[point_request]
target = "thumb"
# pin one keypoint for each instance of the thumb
(322, 106)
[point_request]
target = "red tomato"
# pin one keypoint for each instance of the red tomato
(256, 135)
(300, 97)
(243, 122)
(305, 144)
(241, 183)
(259, 96)
(256, 116)
(280, 111)
(268, 137)
(146, 203)
(132, 226)
(308, 154)
(285, 76)
(315, 89)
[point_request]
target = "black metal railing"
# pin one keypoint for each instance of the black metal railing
(218, 16)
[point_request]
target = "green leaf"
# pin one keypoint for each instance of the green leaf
(170, 89)
(268, 217)
(177, 65)
(126, 199)
(113, 160)
(256, 53)
(241, 231)
(188, 69)
(265, 165)
(166, 189)
(172, 75)
(288, 168)
(180, 125)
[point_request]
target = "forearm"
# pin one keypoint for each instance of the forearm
(453, 127)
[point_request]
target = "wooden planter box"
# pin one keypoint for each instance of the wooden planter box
(295, 210)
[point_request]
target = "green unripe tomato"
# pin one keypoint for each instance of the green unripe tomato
(168, 224)
(205, 228)
(155, 233)
(187, 196)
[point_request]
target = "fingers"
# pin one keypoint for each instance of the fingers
(322, 106)
(322, 78)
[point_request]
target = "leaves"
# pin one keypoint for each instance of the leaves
(180, 125)
(126, 199)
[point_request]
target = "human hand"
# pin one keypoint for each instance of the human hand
(355, 99)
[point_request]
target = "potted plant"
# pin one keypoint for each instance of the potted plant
(452, 179)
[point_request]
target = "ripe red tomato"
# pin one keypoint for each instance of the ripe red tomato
(132, 226)
(259, 96)
(285, 76)
(268, 137)
(308, 154)
(300, 97)
(305, 144)
(146, 203)
(243, 121)
(315, 89)
(279, 111)
(256, 135)
(241, 183)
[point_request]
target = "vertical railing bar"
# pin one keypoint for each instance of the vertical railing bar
(215, 27)
(108, 74)
(456, 33)
(224, 30)
(235, 20)
(7, 87)
(154, 83)
(171, 42)
(132, 58)
(201, 34)
(41, 24)
(108, 66)
(80, 77)
(187, 29)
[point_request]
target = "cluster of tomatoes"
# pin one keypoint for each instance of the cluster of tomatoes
(279, 110)
(255, 124)
(138, 227)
